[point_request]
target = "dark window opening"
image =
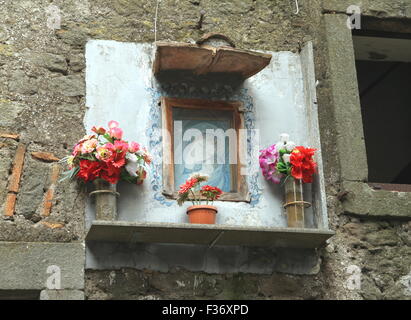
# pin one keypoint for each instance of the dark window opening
(384, 80)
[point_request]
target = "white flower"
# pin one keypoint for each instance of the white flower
(284, 137)
(131, 157)
(286, 157)
(290, 146)
(132, 164)
(280, 145)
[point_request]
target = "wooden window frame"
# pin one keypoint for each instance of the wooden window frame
(167, 105)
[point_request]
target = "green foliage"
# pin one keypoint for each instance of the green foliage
(127, 177)
(87, 157)
(282, 152)
(183, 197)
(70, 174)
(108, 138)
(283, 167)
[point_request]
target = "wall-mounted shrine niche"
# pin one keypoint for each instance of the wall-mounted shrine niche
(159, 92)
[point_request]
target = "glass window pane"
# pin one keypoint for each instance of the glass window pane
(201, 145)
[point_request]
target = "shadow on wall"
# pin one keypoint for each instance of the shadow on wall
(217, 260)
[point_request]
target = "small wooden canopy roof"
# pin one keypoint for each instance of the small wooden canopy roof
(202, 59)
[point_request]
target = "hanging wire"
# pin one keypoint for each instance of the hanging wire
(155, 21)
(298, 8)
(155, 39)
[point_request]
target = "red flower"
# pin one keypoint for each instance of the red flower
(89, 170)
(109, 172)
(211, 193)
(303, 165)
(98, 130)
(187, 185)
(118, 153)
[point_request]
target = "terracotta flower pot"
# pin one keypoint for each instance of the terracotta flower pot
(203, 214)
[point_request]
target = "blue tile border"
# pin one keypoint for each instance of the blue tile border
(184, 90)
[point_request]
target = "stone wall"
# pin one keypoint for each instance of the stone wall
(372, 228)
(42, 109)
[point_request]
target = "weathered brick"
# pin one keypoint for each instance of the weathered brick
(10, 204)
(9, 135)
(48, 201)
(14, 182)
(48, 196)
(44, 156)
(52, 225)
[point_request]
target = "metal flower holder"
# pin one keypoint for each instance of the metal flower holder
(294, 203)
(105, 200)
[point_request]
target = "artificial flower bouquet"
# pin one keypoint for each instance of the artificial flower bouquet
(284, 159)
(294, 165)
(198, 213)
(107, 156)
(192, 187)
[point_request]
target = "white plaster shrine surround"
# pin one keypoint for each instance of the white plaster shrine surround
(120, 86)
(281, 98)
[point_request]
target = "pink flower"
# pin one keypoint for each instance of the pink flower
(89, 146)
(103, 153)
(111, 149)
(268, 163)
(115, 132)
(133, 147)
(86, 137)
(98, 130)
(113, 124)
(77, 149)
(121, 146)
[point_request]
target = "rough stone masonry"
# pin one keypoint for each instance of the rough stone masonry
(42, 106)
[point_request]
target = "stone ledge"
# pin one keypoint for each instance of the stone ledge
(203, 234)
(24, 264)
(362, 200)
(61, 295)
